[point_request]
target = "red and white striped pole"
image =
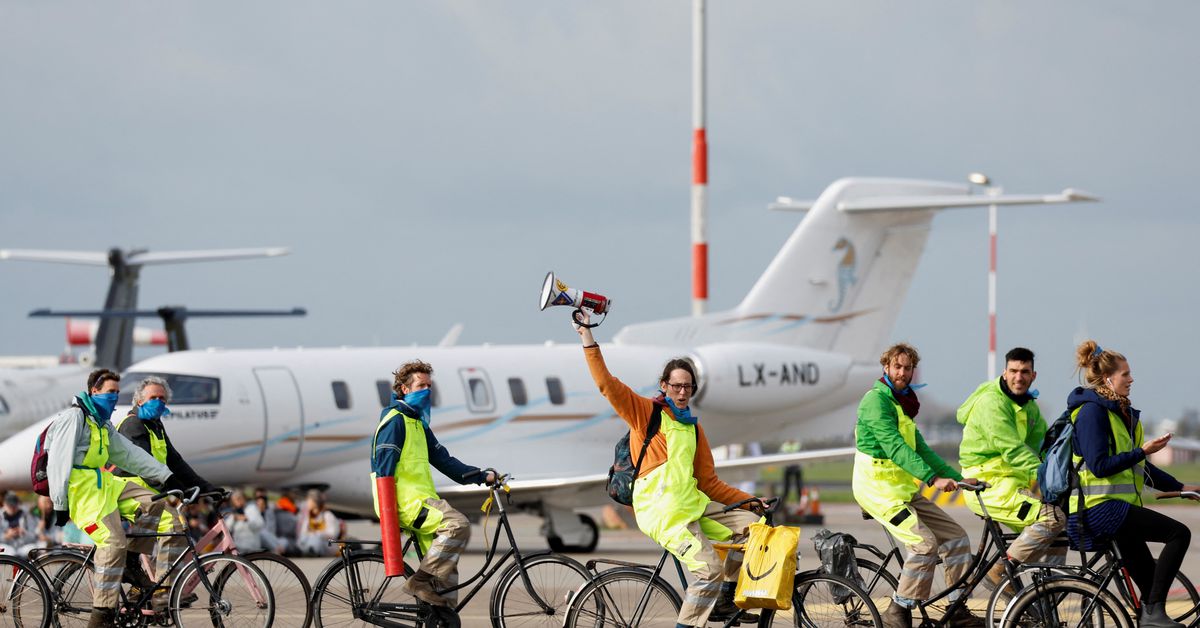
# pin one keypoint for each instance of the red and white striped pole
(992, 289)
(699, 166)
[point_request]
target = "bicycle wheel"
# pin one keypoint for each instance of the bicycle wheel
(1182, 599)
(70, 580)
(624, 597)
(822, 600)
(998, 601)
(553, 577)
(24, 595)
(344, 596)
(230, 591)
(289, 585)
(1065, 603)
(878, 583)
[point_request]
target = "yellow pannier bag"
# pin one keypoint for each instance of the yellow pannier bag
(769, 568)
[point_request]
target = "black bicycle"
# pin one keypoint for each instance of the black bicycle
(1084, 598)
(531, 591)
(210, 589)
(881, 582)
(635, 594)
(24, 594)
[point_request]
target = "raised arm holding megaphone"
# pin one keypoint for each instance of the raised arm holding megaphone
(557, 292)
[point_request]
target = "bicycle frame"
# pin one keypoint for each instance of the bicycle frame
(367, 611)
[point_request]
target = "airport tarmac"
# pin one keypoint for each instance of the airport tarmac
(632, 545)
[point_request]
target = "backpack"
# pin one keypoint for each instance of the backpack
(38, 476)
(1057, 476)
(624, 471)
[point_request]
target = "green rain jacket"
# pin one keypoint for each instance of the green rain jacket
(878, 436)
(996, 427)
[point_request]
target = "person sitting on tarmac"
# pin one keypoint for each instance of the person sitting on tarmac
(404, 447)
(1003, 430)
(678, 499)
(891, 457)
(80, 442)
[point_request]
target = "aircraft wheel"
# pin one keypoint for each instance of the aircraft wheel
(589, 544)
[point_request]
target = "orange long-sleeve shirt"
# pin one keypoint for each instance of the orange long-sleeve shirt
(636, 410)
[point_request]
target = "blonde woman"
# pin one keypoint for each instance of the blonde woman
(1110, 443)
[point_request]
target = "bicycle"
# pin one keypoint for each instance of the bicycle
(207, 588)
(289, 585)
(993, 548)
(1066, 600)
(635, 594)
(353, 590)
(24, 594)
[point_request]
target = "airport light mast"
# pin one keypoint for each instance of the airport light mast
(981, 179)
(699, 165)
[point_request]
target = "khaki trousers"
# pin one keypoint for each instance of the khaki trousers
(109, 559)
(702, 594)
(940, 535)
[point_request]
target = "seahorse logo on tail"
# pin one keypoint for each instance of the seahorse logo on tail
(845, 272)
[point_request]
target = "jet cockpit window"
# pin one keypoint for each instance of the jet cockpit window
(185, 389)
(341, 395)
(3, 407)
(555, 388)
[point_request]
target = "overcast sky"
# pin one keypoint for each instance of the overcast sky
(428, 162)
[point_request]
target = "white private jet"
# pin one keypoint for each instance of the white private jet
(28, 395)
(804, 342)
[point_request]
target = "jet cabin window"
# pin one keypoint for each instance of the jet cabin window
(385, 392)
(479, 391)
(517, 388)
(555, 388)
(3, 407)
(341, 395)
(185, 389)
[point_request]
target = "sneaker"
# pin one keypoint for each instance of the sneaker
(725, 610)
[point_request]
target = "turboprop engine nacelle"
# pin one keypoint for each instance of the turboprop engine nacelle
(751, 378)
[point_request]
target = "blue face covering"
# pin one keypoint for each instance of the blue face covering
(685, 415)
(152, 409)
(911, 387)
(105, 404)
(419, 401)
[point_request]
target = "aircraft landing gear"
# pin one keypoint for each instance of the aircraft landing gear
(571, 532)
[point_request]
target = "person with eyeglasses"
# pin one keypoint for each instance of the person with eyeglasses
(677, 497)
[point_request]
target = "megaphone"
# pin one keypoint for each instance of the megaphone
(556, 292)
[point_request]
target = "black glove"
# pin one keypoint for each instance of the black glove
(61, 517)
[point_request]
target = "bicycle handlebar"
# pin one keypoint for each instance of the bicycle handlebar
(973, 487)
(499, 482)
(769, 504)
(193, 493)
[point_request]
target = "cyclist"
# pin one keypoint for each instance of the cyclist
(80, 443)
(1003, 430)
(1114, 469)
(403, 448)
(678, 498)
(891, 456)
(143, 426)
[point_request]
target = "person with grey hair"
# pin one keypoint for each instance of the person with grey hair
(144, 426)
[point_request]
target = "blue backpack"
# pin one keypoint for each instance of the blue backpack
(1057, 476)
